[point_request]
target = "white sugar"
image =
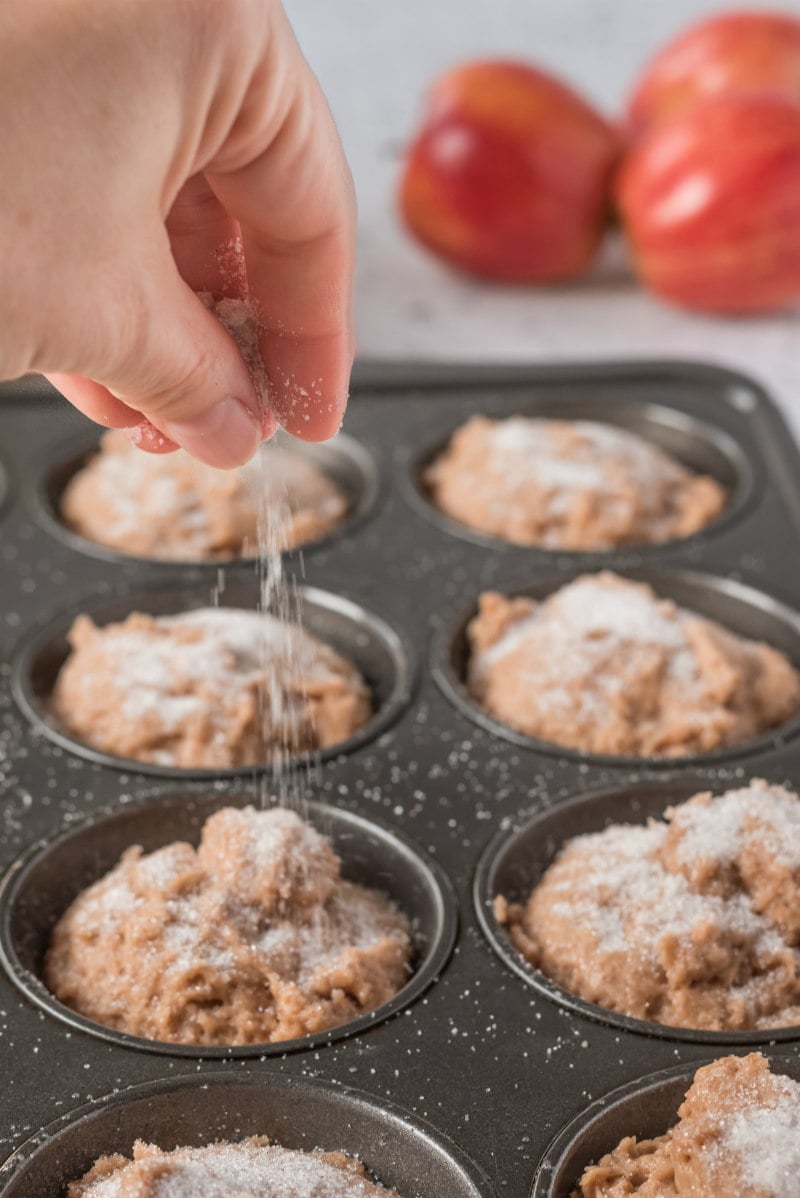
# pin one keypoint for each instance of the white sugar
(766, 1141)
(238, 1171)
(591, 607)
(169, 677)
(277, 847)
(580, 455)
(241, 320)
(514, 637)
(629, 898)
(593, 615)
(717, 831)
(529, 448)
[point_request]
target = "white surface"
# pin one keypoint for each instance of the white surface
(374, 59)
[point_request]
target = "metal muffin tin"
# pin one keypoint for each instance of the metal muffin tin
(467, 1085)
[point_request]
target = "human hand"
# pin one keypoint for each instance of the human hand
(151, 151)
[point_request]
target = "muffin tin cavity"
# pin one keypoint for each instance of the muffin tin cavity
(699, 446)
(344, 460)
(741, 608)
(382, 656)
(646, 1109)
(44, 882)
(398, 1150)
(515, 861)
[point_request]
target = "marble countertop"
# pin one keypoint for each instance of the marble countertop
(374, 61)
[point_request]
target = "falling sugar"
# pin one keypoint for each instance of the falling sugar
(278, 594)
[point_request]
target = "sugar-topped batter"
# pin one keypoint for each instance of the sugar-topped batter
(252, 1168)
(253, 937)
(693, 921)
(209, 688)
(738, 1135)
(172, 507)
(569, 484)
(606, 666)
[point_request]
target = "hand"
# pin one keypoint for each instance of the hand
(151, 151)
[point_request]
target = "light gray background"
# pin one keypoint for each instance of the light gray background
(374, 59)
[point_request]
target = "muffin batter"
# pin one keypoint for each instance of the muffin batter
(738, 1136)
(568, 484)
(172, 507)
(209, 688)
(252, 937)
(605, 666)
(693, 922)
(250, 1169)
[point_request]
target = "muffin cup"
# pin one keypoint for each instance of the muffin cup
(344, 460)
(45, 880)
(740, 608)
(692, 442)
(646, 1108)
(397, 1149)
(515, 861)
(383, 656)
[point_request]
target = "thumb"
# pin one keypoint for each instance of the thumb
(187, 376)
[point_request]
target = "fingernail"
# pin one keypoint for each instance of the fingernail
(224, 436)
(146, 436)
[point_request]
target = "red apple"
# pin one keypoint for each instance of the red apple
(735, 51)
(510, 175)
(711, 204)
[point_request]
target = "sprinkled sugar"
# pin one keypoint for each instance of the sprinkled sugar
(766, 1141)
(243, 1170)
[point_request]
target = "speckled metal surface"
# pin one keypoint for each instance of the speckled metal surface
(491, 1062)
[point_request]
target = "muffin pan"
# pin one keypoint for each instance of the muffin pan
(460, 1086)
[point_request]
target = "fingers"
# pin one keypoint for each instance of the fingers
(277, 187)
(295, 205)
(206, 242)
(185, 374)
(96, 402)
(185, 382)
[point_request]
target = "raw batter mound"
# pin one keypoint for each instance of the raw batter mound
(209, 688)
(605, 666)
(568, 484)
(738, 1136)
(252, 937)
(693, 922)
(171, 507)
(250, 1169)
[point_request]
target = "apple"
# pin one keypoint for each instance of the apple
(510, 175)
(734, 51)
(710, 202)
